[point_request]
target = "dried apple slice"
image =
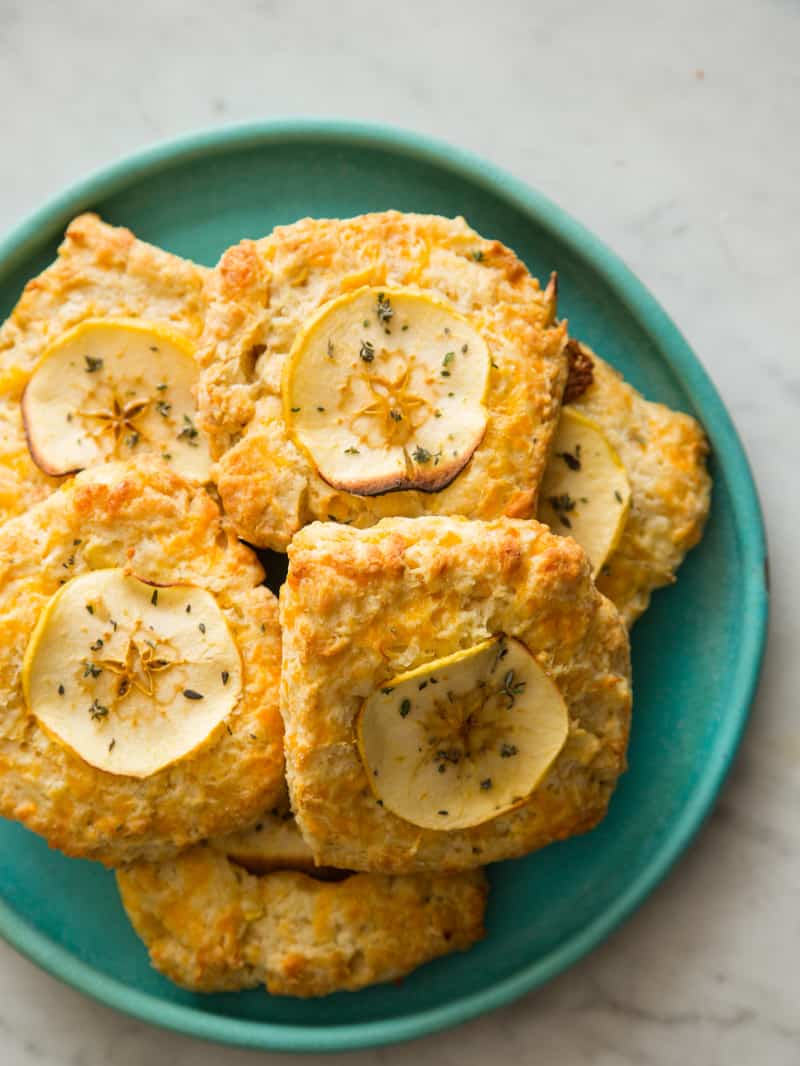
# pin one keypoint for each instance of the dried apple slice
(114, 389)
(463, 739)
(129, 676)
(384, 390)
(274, 843)
(585, 492)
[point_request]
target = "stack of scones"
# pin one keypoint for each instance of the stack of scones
(302, 791)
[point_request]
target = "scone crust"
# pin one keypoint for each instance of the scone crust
(101, 271)
(210, 926)
(262, 292)
(361, 606)
(145, 517)
(664, 453)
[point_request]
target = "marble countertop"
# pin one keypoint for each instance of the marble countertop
(671, 130)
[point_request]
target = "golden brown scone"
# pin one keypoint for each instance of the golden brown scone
(145, 518)
(101, 271)
(263, 292)
(361, 606)
(210, 926)
(664, 454)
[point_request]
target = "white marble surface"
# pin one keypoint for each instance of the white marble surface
(673, 131)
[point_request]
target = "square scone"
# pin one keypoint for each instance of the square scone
(97, 363)
(454, 692)
(139, 668)
(252, 909)
(626, 478)
(389, 364)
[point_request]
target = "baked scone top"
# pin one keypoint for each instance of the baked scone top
(361, 606)
(263, 293)
(664, 453)
(210, 926)
(101, 272)
(146, 519)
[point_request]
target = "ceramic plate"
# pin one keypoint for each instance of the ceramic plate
(696, 652)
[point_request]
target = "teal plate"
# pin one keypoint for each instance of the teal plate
(696, 652)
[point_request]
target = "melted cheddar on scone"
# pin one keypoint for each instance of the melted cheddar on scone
(389, 364)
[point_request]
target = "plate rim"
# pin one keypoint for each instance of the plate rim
(681, 361)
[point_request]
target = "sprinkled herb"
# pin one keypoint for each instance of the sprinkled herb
(486, 784)
(89, 608)
(69, 562)
(166, 455)
(386, 691)
(464, 349)
(572, 461)
(163, 408)
(367, 351)
(132, 439)
(202, 627)
(445, 813)
(225, 677)
(296, 409)
(365, 323)
(441, 767)
(511, 688)
(92, 364)
(98, 644)
(330, 348)
(437, 413)
(617, 496)
(69, 416)
(507, 750)
(61, 690)
(113, 624)
(320, 408)
(154, 598)
(351, 450)
(494, 364)
(445, 373)
(190, 694)
(405, 327)
(564, 502)
(98, 711)
(477, 255)
(395, 416)
(162, 386)
(384, 308)
(434, 680)
(405, 707)
(421, 455)
(112, 745)
(91, 669)
(422, 685)
(188, 608)
(561, 504)
(189, 431)
(77, 541)
(448, 359)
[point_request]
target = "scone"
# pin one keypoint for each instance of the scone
(453, 692)
(211, 926)
(139, 666)
(627, 478)
(97, 362)
(389, 364)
